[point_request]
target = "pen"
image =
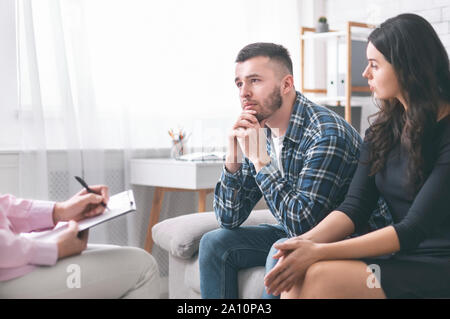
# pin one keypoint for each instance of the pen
(83, 183)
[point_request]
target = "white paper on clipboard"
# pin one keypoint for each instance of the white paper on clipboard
(119, 204)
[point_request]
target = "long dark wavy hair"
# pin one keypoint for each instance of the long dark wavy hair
(410, 44)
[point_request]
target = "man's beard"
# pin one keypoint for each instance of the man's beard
(270, 105)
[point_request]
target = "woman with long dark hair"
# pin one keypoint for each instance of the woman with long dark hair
(405, 158)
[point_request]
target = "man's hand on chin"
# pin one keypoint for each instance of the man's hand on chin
(253, 143)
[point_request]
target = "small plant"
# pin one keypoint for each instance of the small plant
(322, 25)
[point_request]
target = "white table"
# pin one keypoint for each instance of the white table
(169, 175)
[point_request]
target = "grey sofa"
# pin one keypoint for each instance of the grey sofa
(180, 236)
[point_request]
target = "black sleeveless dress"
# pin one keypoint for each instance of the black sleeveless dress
(421, 269)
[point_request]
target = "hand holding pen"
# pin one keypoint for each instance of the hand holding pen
(88, 189)
(86, 203)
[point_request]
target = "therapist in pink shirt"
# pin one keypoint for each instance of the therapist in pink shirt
(30, 268)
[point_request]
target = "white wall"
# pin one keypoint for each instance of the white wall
(8, 75)
(338, 12)
(310, 11)
(8, 97)
(437, 12)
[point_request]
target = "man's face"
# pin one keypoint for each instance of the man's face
(259, 87)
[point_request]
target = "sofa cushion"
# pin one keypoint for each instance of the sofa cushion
(181, 235)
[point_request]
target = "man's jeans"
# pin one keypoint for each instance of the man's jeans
(223, 252)
(270, 263)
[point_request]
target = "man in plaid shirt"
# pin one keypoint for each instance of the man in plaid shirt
(300, 156)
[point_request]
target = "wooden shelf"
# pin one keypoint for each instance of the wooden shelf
(349, 35)
(320, 99)
(364, 89)
(334, 34)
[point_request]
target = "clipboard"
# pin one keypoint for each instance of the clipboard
(119, 204)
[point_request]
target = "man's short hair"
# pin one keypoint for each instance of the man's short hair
(273, 51)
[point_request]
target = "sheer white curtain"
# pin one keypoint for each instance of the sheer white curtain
(98, 75)
(57, 103)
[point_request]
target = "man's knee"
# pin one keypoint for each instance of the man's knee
(270, 261)
(214, 242)
(273, 250)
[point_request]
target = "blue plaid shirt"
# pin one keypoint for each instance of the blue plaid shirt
(319, 157)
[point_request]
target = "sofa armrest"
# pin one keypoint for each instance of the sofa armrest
(181, 235)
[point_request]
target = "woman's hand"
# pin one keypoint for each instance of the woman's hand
(70, 242)
(295, 256)
(82, 205)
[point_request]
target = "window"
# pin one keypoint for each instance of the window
(114, 72)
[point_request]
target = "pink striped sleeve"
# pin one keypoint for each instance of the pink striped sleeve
(16, 251)
(26, 215)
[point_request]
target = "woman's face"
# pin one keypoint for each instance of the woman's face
(381, 76)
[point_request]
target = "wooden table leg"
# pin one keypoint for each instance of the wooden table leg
(202, 199)
(158, 197)
(157, 202)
